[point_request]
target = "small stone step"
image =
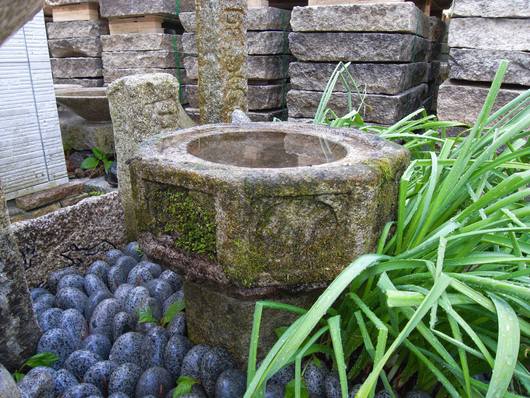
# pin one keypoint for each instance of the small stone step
(43, 198)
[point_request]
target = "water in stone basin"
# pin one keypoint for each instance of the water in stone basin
(266, 150)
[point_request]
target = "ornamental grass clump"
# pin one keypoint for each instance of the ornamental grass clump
(446, 296)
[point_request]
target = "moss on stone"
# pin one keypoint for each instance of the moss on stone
(189, 216)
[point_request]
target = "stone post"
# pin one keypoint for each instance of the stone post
(222, 58)
(19, 330)
(141, 106)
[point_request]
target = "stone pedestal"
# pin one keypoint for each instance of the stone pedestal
(141, 106)
(19, 330)
(222, 55)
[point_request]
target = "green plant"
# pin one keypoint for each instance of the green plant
(445, 297)
(184, 386)
(145, 315)
(95, 193)
(42, 359)
(93, 161)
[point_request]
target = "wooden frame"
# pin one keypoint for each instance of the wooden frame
(76, 12)
(142, 24)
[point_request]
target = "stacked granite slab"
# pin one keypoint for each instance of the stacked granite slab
(438, 66)
(387, 45)
(127, 54)
(75, 49)
(481, 34)
(267, 63)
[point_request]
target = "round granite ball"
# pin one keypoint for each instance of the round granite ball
(99, 344)
(116, 277)
(177, 296)
(153, 347)
(47, 299)
(231, 383)
(154, 381)
(50, 319)
(74, 323)
(82, 390)
(99, 268)
(103, 317)
(63, 381)
(39, 382)
(55, 277)
(35, 292)
(127, 348)
(121, 324)
(284, 375)
(274, 390)
(136, 299)
(139, 275)
(176, 348)
(94, 300)
(70, 297)
(417, 394)
(191, 364)
(172, 278)
(122, 291)
(133, 250)
(314, 377)
(80, 361)
(177, 325)
(58, 342)
(154, 269)
(112, 256)
(71, 280)
(126, 263)
(159, 289)
(124, 379)
(99, 375)
(214, 362)
(93, 284)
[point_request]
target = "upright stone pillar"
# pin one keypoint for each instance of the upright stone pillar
(19, 330)
(141, 106)
(222, 58)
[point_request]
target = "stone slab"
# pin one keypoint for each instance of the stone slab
(88, 82)
(481, 65)
(72, 236)
(492, 8)
(260, 97)
(75, 47)
(42, 198)
(258, 19)
(113, 74)
(69, 29)
(140, 107)
(259, 67)
(79, 134)
(140, 59)
(54, 3)
(396, 18)
(209, 309)
(127, 8)
(374, 78)
(357, 47)
(18, 328)
(490, 33)
(463, 102)
(381, 109)
(99, 184)
(255, 116)
(258, 43)
(141, 42)
(437, 29)
(76, 67)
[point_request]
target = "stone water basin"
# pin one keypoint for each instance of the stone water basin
(264, 204)
(90, 103)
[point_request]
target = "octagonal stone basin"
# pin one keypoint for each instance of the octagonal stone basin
(264, 205)
(90, 103)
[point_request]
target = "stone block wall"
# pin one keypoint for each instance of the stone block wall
(481, 34)
(74, 42)
(389, 45)
(267, 63)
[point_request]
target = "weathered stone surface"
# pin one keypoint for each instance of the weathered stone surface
(378, 108)
(463, 103)
(8, 387)
(125, 8)
(481, 65)
(259, 67)
(357, 47)
(258, 43)
(490, 33)
(42, 198)
(75, 47)
(222, 56)
(141, 106)
(70, 29)
(266, 221)
(53, 3)
(78, 134)
(259, 19)
(142, 42)
(219, 320)
(492, 8)
(73, 236)
(140, 59)
(18, 337)
(16, 13)
(259, 96)
(89, 103)
(76, 67)
(437, 29)
(88, 82)
(27, 215)
(374, 78)
(397, 18)
(111, 75)
(255, 116)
